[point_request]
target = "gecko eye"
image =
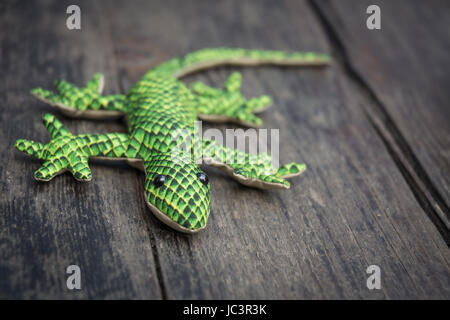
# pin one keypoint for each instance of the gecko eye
(203, 178)
(159, 180)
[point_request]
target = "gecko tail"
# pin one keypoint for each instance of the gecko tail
(209, 58)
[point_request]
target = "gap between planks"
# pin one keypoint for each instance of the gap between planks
(409, 166)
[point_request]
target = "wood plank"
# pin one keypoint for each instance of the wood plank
(404, 65)
(45, 227)
(350, 210)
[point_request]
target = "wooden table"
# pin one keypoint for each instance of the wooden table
(373, 129)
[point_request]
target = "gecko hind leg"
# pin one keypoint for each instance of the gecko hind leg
(228, 104)
(87, 102)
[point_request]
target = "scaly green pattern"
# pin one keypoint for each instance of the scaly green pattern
(157, 107)
(229, 104)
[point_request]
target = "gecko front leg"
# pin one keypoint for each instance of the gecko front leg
(228, 104)
(67, 152)
(250, 170)
(84, 102)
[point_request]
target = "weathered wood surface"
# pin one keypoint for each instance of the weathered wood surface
(405, 64)
(351, 209)
(46, 227)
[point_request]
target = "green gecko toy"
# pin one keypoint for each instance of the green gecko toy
(176, 190)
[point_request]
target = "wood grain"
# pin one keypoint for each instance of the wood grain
(351, 209)
(404, 65)
(45, 227)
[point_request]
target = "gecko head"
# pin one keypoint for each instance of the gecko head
(177, 192)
